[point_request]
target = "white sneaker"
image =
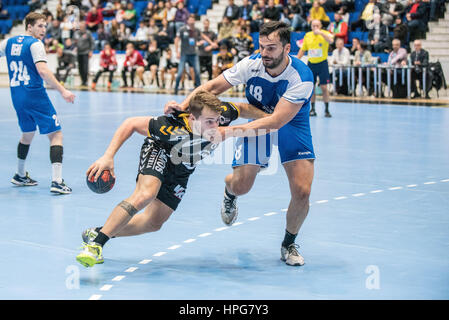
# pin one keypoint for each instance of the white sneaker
(229, 210)
(291, 255)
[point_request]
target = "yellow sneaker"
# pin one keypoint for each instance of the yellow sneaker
(90, 255)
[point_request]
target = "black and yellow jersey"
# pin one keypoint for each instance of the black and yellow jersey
(173, 133)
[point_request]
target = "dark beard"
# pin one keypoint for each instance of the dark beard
(274, 63)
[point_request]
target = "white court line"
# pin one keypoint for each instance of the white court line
(106, 287)
(412, 185)
(376, 191)
(358, 194)
(430, 182)
(340, 198)
(394, 188)
(118, 278)
(284, 210)
(131, 269)
(237, 224)
(205, 234)
(444, 180)
(189, 240)
(158, 254)
(321, 201)
(95, 297)
(270, 214)
(221, 229)
(176, 246)
(145, 261)
(253, 218)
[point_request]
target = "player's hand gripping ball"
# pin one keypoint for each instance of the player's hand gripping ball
(104, 183)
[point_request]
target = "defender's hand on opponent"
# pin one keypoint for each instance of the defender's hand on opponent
(171, 106)
(103, 163)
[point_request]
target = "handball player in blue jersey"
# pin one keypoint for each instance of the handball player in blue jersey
(27, 68)
(281, 85)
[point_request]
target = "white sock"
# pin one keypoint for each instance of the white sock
(21, 168)
(56, 169)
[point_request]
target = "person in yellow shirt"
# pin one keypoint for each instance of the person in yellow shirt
(316, 43)
(317, 12)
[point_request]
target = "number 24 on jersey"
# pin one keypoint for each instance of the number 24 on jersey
(20, 73)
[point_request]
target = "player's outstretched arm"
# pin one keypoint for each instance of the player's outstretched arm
(126, 129)
(49, 78)
(248, 111)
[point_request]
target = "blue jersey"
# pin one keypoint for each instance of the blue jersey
(295, 84)
(22, 53)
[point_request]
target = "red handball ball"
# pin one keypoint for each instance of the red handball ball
(104, 183)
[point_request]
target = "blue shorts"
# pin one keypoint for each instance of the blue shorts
(320, 70)
(34, 109)
(294, 141)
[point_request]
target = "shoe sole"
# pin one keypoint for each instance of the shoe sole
(292, 265)
(87, 261)
(54, 190)
(224, 219)
(21, 184)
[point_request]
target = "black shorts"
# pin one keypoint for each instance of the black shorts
(155, 161)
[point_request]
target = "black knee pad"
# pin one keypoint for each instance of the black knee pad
(56, 154)
(22, 151)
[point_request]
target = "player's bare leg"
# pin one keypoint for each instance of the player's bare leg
(56, 152)
(300, 176)
(238, 183)
(22, 178)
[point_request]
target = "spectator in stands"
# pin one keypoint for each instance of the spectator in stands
(317, 13)
(66, 28)
(130, 17)
(419, 59)
(153, 28)
(160, 13)
(243, 43)
(4, 14)
(225, 31)
(294, 16)
(366, 17)
(400, 30)
(257, 15)
(53, 32)
(169, 65)
(102, 38)
(415, 15)
(398, 56)
(108, 63)
(231, 11)
(148, 12)
(66, 60)
(340, 57)
(362, 58)
(339, 28)
(206, 45)
(142, 36)
(186, 50)
(120, 13)
(181, 16)
(116, 35)
(152, 59)
(171, 13)
(225, 60)
(245, 10)
(164, 36)
(85, 44)
(133, 64)
(94, 18)
(355, 46)
(378, 36)
(271, 12)
(390, 10)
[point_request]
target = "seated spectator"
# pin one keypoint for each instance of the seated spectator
(390, 10)
(206, 45)
(116, 35)
(242, 43)
(102, 38)
(231, 11)
(94, 18)
(152, 59)
(142, 36)
(4, 14)
(160, 13)
(257, 15)
(171, 13)
(153, 29)
(340, 57)
(66, 28)
(245, 10)
(398, 56)
(339, 28)
(148, 12)
(366, 18)
(108, 63)
(120, 13)
(130, 17)
(378, 36)
(355, 46)
(416, 14)
(164, 36)
(133, 64)
(293, 15)
(66, 60)
(169, 65)
(363, 58)
(419, 59)
(271, 12)
(181, 16)
(317, 13)
(226, 31)
(225, 60)
(400, 30)
(53, 33)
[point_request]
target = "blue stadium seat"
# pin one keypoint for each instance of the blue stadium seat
(383, 56)
(255, 36)
(360, 4)
(202, 10)
(355, 34)
(353, 16)
(331, 16)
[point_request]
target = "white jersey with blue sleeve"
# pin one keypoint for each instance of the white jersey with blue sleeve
(295, 84)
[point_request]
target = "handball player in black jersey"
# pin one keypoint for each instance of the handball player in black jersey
(173, 145)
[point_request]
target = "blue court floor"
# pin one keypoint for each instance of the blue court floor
(378, 226)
